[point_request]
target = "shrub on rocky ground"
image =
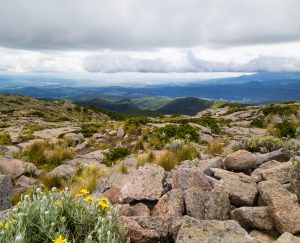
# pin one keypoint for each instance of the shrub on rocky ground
(262, 144)
(89, 129)
(116, 154)
(5, 139)
(282, 110)
(60, 217)
(285, 129)
(258, 122)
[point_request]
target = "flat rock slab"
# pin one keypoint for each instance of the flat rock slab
(146, 183)
(54, 132)
(212, 231)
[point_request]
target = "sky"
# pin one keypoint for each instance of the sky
(157, 36)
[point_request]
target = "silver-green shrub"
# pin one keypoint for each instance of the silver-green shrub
(59, 217)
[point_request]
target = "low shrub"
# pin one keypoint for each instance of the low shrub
(5, 139)
(89, 129)
(116, 154)
(181, 131)
(285, 129)
(215, 147)
(258, 122)
(282, 110)
(60, 217)
(262, 144)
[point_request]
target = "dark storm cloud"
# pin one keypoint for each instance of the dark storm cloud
(144, 24)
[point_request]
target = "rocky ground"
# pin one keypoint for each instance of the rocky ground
(241, 185)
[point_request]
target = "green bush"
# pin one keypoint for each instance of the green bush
(5, 139)
(182, 131)
(262, 144)
(280, 109)
(257, 122)
(89, 129)
(206, 121)
(116, 154)
(137, 121)
(286, 129)
(60, 216)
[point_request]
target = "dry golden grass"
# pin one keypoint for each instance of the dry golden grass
(215, 147)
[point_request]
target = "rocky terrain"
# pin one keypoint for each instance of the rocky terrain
(228, 174)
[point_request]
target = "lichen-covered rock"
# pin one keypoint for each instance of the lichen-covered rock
(262, 237)
(145, 229)
(284, 209)
(212, 231)
(241, 160)
(140, 209)
(295, 176)
(65, 171)
(241, 188)
(113, 194)
(25, 181)
(287, 238)
(253, 218)
(170, 205)
(12, 167)
(146, 183)
(5, 192)
(257, 173)
(185, 178)
(212, 204)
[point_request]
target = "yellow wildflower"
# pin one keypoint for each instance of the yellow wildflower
(13, 221)
(60, 239)
(104, 199)
(84, 191)
(58, 203)
(103, 205)
(79, 195)
(1, 224)
(6, 225)
(89, 199)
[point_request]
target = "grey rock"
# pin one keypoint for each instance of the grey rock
(5, 192)
(288, 238)
(12, 167)
(212, 231)
(208, 205)
(185, 178)
(253, 218)
(284, 209)
(65, 171)
(120, 132)
(146, 183)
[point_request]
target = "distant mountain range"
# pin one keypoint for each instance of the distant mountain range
(258, 88)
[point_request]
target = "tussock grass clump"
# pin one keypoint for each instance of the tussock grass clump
(170, 158)
(89, 129)
(262, 144)
(5, 139)
(215, 147)
(41, 153)
(61, 217)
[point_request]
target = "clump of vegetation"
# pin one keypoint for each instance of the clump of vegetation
(89, 129)
(5, 139)
(170, 158)
(258, 122)
(137, 121)
(215, 147)
(116, 154)
(262, 144)
(285, 129)
(182, 131)
(60, 217)
(282, 110)
(41, 153)
(206, 121)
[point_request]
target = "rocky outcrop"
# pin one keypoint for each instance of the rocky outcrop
(201, 204)
(284, 209)
(5, 192)
(185, 178)
(146, 183)
(253, 218)
(295, 176)
(206, 231)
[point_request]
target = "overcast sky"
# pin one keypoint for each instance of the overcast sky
(149, 35)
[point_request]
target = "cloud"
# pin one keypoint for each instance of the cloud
(144, 24)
